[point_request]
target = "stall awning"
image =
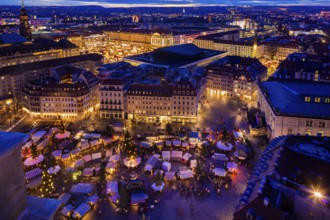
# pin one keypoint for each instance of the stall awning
(81, 210)
(219, 172)
(64, 198)
(112, 187)
(33, 173)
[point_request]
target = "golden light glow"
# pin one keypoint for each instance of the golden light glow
(318, 195)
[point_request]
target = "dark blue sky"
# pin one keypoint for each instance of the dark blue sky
(132, 3)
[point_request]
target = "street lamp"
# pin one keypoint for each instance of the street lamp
(317, 195)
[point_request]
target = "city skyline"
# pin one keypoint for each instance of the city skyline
(169, 3)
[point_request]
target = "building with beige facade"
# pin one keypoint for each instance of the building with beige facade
(40, 49)
(230, 42)
(295, 107)
(112, 93)
(69, 93)
(234, 76)
(177, 102)
(14, 78)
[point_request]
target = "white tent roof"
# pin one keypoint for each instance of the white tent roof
(148, 167)
(186, 156)
(219, 172)
(81, 210)
(145, 144)
(60, 136)
(66, 210)
(82, 188)
(158, 188)
(75, 151)
(57, 153)
(33, 161)
(177, 143)
(87, 172)
(204, 143)
(64, 198)
(43, 144)
(223, 146)
(166, 155)
(78, 135)
(38, 135)
(170, 175)
(168, 143)
(176, 154)
(84, 145)
(232, 165)
(193, 163)
(221, 157)
(87, 158)
(79, 163)
(65, 156)
(185, 144)
(92, 199)
(33, 173)
(54, 170)
(115, 157)
(28, 144)
(132, 162)
(112, 187)
(92, 135)
(96, 156)
(94, 143)
(159, 143)
(186, 174)
(107, 141)
(238, 134)
(111, 165)
(166, 166)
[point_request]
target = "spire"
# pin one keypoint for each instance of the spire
(22, 3)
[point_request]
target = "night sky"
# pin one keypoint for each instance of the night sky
(130, 3)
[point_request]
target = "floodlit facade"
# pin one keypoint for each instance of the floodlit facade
(234, 76)
(164, 102)
(14, 78)
(70, 93)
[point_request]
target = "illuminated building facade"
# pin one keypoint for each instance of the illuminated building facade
(177, 102)
(70, 93)
(40, 49)
(112, 99)
(295, 107)
(303, 66)
(24, 26)
(14, 78)
(234, 76)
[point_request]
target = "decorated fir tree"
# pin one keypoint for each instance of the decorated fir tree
(61, 127)
(34, 151)
(47, 186)
(129, 148)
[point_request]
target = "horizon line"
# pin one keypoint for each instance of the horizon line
(119, 5)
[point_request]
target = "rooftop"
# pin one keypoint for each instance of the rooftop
(175, 56)
(42, 208)
(9, 140)
(289, 98)
(21, 68)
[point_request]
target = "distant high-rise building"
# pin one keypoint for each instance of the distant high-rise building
(54, 17)
(24, 27)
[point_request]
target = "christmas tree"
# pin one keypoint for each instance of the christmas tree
(129, 148)
(34, 151)
(62, 127)
(47, 185)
